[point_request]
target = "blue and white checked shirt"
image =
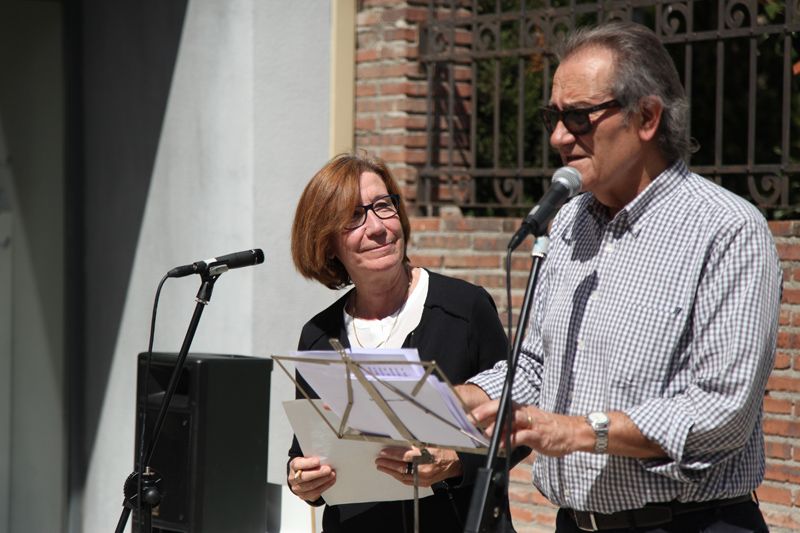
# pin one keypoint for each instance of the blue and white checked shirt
(668, 313)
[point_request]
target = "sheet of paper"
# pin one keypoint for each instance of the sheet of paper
(434, 415)
(357, 478)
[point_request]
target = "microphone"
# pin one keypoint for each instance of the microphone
(218, 265)
(566, 183)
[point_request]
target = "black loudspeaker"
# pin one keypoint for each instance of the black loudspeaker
(212, 452)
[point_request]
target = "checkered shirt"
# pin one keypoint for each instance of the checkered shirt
(669, 313)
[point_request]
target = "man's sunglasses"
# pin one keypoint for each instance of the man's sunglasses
(575, 120)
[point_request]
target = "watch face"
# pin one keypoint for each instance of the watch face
(598, 418)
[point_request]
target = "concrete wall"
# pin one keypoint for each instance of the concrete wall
(32, 423)
(244, 127)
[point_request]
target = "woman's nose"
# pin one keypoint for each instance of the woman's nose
(373, 223)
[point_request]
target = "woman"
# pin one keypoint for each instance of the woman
(351, 227)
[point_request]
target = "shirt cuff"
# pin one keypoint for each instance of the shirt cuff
(667, 422)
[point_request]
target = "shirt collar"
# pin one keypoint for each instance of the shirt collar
(656, 194)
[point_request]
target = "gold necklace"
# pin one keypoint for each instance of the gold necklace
(396, 318)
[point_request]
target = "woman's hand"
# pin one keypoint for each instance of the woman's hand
(308, 478)
(397, 463)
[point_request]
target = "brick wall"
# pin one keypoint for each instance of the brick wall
(390, 123)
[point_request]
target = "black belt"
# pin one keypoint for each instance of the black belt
(653, 514)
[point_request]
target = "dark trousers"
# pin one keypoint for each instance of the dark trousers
(743, 517)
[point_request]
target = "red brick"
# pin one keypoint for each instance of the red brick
(471, 261)
(452, 241)
(424, 224)
(365, 55)
(426, 261)
(412, 122)
(774, 494)
(366, 89)
(777, 405)
(521, 514)
(409, 35)
(488, 244)
(368, 71)
(778, 450)
(406, 156)
(783, 361)
(495, 281)
(783, 472)
(413, 105)
(367, 18)
(791, 296)
(365, 123)
(407, 88)
(787, 339)
(783, 383)
(788, 251)
(783, 428)
(408, 14)
(783, 228)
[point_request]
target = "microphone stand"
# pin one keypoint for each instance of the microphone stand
(490, 486)
(141, 488)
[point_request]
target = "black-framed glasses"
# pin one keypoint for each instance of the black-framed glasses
(384, 207)
(576, 120)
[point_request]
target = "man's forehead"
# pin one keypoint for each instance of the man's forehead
(584, 76)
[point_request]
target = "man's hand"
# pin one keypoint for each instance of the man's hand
(547, 433)
(396, 462)
(557, 435)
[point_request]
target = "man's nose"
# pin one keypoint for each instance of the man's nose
(561, 135)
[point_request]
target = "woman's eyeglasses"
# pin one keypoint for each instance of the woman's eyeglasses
(383, 207)
(575, 120)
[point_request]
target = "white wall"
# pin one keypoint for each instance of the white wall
(291, 142)
(246, 126)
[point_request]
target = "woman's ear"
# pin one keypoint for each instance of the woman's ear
(650, 109)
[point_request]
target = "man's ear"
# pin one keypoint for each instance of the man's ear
(650, 109)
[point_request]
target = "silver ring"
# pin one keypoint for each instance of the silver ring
(409, 468)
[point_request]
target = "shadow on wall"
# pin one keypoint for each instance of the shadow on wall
(124, 65)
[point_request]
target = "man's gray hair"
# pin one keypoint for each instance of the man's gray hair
(642, 68)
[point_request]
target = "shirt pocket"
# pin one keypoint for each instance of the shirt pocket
(644, 354)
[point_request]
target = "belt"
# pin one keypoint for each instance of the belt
(653, 514)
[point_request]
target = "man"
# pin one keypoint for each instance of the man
(654, 323)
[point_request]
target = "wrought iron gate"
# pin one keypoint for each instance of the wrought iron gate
(489, 65)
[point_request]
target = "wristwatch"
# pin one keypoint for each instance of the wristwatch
(599, 422)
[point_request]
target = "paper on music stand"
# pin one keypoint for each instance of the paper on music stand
(330, 383)
(357, 477)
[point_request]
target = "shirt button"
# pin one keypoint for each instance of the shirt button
(609, 248)
(580, 344)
